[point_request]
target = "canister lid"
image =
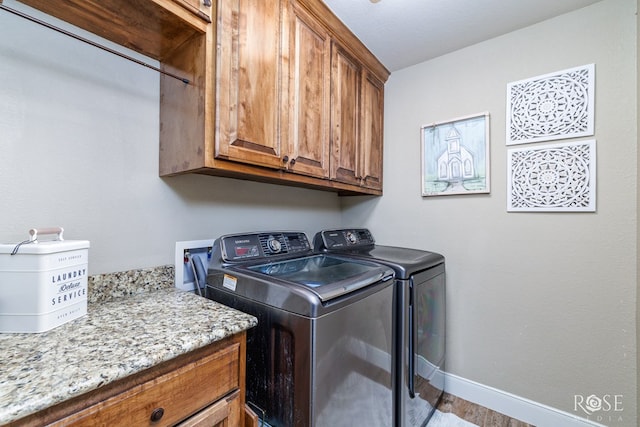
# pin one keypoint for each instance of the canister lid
(43, 247)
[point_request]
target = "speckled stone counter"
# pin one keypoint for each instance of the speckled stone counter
(109, 286)
(117, 338)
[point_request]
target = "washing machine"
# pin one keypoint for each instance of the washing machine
(419, 316)
(322, 352)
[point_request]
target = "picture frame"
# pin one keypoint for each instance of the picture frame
(455, 156)
(552, 106)
(558, 177)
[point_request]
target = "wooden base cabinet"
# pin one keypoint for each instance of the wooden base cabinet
(223, 413)
(278, 91)
(201, 388)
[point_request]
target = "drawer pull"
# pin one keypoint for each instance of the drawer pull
(157, 414)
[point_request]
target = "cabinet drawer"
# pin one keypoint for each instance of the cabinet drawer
(169, 398)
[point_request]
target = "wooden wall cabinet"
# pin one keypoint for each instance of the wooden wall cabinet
(279, 90)
(204, 387)
(357, 103)
(371, 131)
(250, 104)
(306, 104)
(309, 94)
(346, 75)
(156, 28)
(201, 8)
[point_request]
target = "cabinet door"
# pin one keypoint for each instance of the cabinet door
(309, 94)
(202, 8)
(345, 113)
(250, 96)
(371, 131)
(221, 414)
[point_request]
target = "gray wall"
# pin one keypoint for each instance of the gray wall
(541, 305)
(79, 148)
(637, 212)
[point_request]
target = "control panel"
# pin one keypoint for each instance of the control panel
(349, 238)
(245, 247)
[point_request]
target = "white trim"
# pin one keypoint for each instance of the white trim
(511, 405)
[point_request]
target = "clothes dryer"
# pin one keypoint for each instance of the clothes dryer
(419, 355)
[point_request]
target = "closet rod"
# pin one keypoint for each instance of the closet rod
(94, 44)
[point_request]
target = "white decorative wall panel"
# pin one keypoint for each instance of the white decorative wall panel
(552, 106)
(552, 177)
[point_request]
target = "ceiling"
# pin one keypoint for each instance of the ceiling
(402, 33)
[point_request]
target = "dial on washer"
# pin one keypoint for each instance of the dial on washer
(274, 245)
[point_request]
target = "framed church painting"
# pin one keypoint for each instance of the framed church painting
(455, 156)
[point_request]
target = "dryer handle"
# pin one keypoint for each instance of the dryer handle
(412, 342)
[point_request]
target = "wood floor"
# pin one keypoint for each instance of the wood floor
(477, 414)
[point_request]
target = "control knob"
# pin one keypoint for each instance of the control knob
(274, 245)
(351, 237)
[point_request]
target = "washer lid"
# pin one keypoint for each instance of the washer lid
(327, 276)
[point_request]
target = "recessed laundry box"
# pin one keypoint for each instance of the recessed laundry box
(43, 283)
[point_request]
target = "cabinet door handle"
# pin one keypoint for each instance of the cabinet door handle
(292, 162)
(157, 414)
(285, 159)
(207, 3)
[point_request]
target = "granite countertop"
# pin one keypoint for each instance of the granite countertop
(117, 338)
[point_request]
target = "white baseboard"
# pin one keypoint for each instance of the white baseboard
(513, 406)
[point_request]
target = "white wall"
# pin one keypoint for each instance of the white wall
(79, 149)
(541, 305)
